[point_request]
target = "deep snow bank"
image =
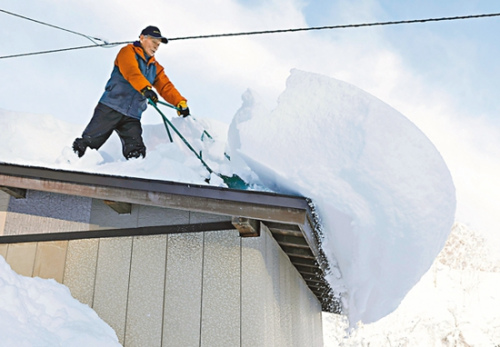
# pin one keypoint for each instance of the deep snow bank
(382, 189)
(39, 312)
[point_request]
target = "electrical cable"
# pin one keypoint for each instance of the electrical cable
(64, 49)
(93, 39)
(342, 26)
(248, 33)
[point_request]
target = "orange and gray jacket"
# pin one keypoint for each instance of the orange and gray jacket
(131, 74)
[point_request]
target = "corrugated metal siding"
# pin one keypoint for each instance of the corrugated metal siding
(194, 289)
(200, 289)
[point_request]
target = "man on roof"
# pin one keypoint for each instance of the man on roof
(126, 95)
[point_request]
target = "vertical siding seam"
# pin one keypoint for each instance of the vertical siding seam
(202, 281)
(164, 291)
(95, 270)
(34, 260)
(65, 260)
(128, 292)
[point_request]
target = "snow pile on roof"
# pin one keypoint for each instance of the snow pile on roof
(38, 312)
(384, 194)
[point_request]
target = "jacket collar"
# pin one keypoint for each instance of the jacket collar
(140, 51)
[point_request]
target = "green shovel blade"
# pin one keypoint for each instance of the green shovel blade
(234, 182)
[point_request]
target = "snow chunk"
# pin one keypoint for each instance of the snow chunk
(384, 193)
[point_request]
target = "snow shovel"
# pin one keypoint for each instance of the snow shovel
(205, 133)
(234, 181)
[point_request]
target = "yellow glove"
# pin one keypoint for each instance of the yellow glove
(183, 109)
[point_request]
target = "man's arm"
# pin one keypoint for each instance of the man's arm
(166, 88)
(129, 68)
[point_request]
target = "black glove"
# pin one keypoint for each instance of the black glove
(150, 94)
(182, 109)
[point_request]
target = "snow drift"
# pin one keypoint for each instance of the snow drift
(382, 189)
(384, 194)
(39, 312)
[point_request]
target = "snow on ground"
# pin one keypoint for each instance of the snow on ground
(457, 303)
(384, 194)
(39, 312)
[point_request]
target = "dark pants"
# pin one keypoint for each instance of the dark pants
(102, 124)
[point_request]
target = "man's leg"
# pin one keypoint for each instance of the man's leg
(99, 129)
(130, 132)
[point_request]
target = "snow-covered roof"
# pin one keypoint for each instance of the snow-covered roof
(384, 196)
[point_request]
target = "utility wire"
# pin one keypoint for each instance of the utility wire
(93, 39)
(64, 49)
(344, 26)
(248, 33)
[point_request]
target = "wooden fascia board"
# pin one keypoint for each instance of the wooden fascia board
(159, 199)
(177, 188)
(248, 204)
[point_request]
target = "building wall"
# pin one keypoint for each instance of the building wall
(196, 289)
(42, 212)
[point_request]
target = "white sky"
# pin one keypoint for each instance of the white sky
(443, 76)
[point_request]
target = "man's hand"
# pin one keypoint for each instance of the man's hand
(150, 94)
(182, 109)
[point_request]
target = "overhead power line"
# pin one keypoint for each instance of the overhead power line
(247, 33)
(64, 49)
(93, 39)
(342, 26)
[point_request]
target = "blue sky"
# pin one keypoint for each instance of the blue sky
(443, 76)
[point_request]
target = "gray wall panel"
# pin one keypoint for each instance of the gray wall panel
(182, 319)
(112, 281)
(80, 269)
(220, 324)
(198, 217)
(145, 300)
(21, 257)
(151, 216)
(253, 300)
(42, 212)
(3, 250)
(258, 302)
(50, 259)
(103, 217)
(286, 303)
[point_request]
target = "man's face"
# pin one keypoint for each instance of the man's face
(150, 44)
